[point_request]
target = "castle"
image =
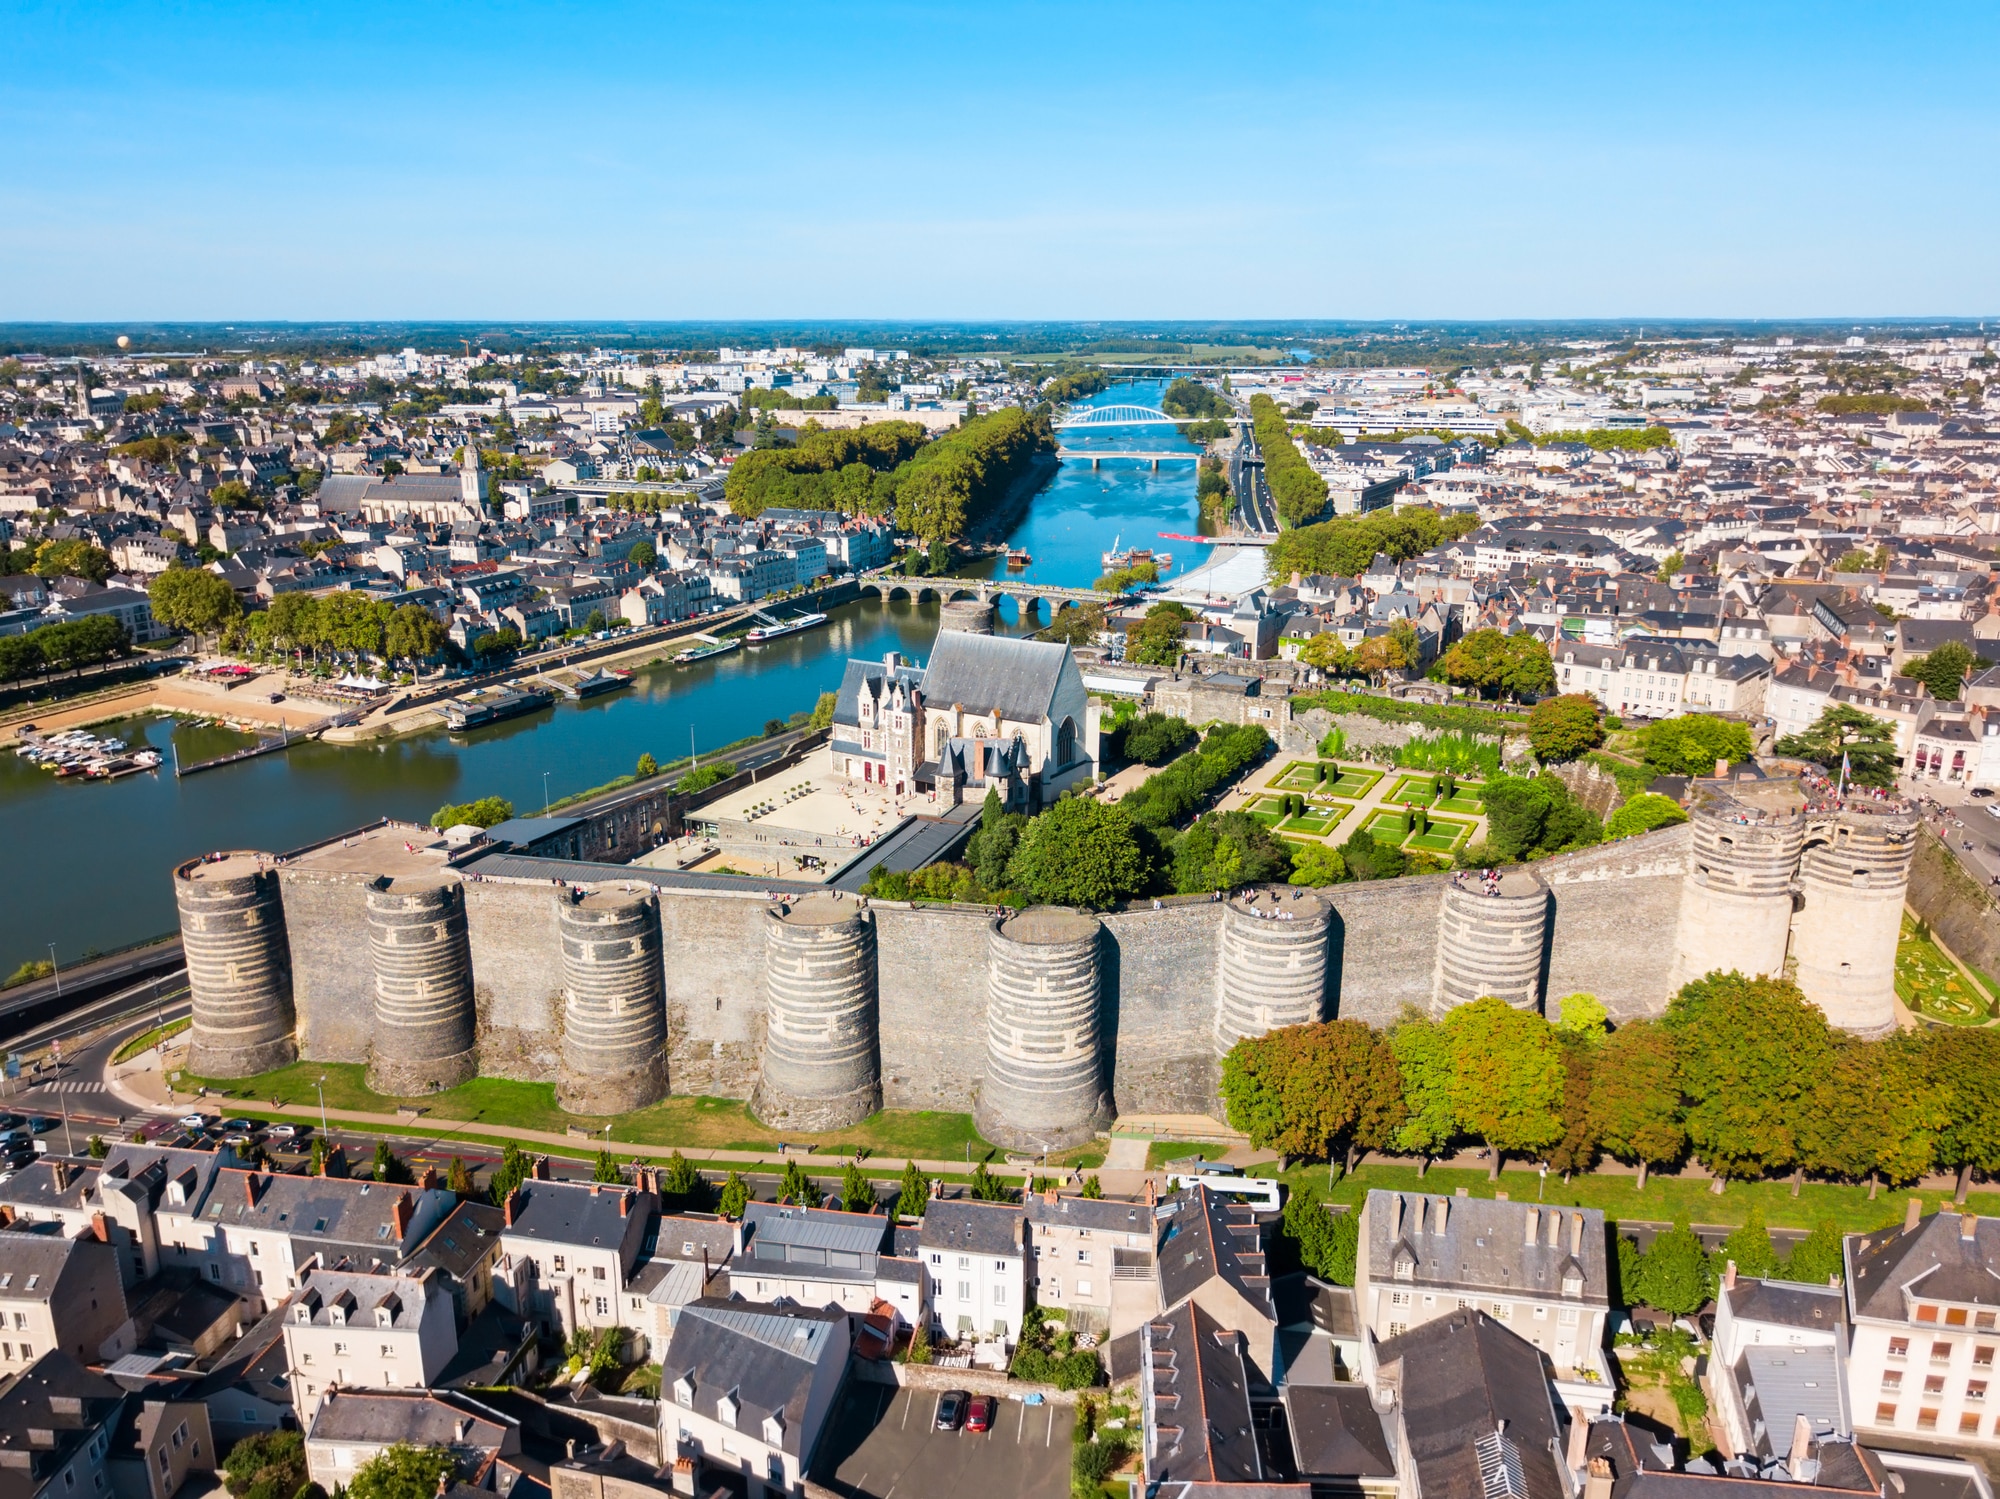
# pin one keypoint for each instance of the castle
(430, 963)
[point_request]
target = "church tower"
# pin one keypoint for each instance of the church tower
(471, 481)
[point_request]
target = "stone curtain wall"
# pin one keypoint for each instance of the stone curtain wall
(1959, 909)
(1614, 920)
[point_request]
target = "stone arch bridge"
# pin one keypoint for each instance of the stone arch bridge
(1034, 599)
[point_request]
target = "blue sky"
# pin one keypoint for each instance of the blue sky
(1415, 160)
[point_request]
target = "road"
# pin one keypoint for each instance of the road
(24, 1004)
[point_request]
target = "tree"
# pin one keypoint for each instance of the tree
(1315, 864)
(73, 559)
(857, 1192)
(1962, 1065)
(822, 713)
(1561, 728)
(1691, 744)
(1424, 1060)
(1868, 743)
(403, 1472)
(1369, 858)
(1752, 1054)
(1817, 1260)
(1156, 738)
(1643, 813)
(1675, 1275)
(1749, 1248)
(914, 1192)
(643, 556)
(389, 1167)
(1578, 1147)
(986, 1187)
(514, 1168)
(796, 1187)
(1873, 1113)
(192, 599)
(458, 1178)
(735, 1196)
(681, 1183)
(412, 634)
(1582, 1016)
(1156, 639)
(1080, 853)
(606, 1170)
(1307, 1090)
(647, 766)
(595, 623)
(1324, 652)
(1635, 1099)
(1326, 1243)
(1494, 664)
(1526, 816)
(1507, 1077)
(1944, 670)
(487, 812)
(266, 1465)
(1670, 565)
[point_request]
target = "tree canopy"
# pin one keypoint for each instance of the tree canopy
(1080, 852)
(1691, 744)
(1752, 1054)
(1868, 742)
(1495, 665)
(1562, 728)
(1530, 816)
(1343, 548)
(1299, 493)
(1308, 1090)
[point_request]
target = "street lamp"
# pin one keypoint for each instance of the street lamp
(321, 1086)
(55, 967)
(545, 793)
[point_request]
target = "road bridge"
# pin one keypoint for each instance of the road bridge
(1156, 459)
(1129, 416)
(1034, 599)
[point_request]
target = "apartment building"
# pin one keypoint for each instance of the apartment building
(975, 1255)
(568, 1251)
(374, 1331)
(60, 1293)
(818, 1257)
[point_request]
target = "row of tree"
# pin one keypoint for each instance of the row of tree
(1300, 493)
(848, 470)
(69, 645)
(1193, 400)
(345, 623)
(1343, 548)
(1744, 1075)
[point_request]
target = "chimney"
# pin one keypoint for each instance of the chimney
(1795, 1460)
(1417, 1224)
(1968, 1226)
(428, 1182)
(1729, 1276)
(1913, 1211)
(1576, 1233)
(401, 1214)
(1579, 1435)
(60, 1171)
(1395, 1216)
(1597, 1479)
(1721, 770)
(624, 1204)
(508, 1207)
(1443, 1206)
(100, 1228)
(1533, 1232)
(684, 1477)
(250, 1188)
(541, 1168)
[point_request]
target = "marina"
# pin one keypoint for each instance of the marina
(77, 754)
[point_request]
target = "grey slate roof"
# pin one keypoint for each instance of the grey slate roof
(360, 1298)
(969, 1227)
(1198, 1403)
(1103, 1214)
(421, 1418)
(1460, 1377)
(336, 1216)
(1204, 1237)
(1337, 1432)
(1784, 1303)
(1781, 1384)
(1019, 678)
(581, 1214)
(1936, 1261)
(46, 1414)
(1484, 1245)
(469, 1233)
(763, 1354)
(1641, 1468)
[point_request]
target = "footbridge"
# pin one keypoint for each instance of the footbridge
(1034, 599)
(1128, 416)
(1101, 455)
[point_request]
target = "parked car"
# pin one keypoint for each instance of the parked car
(288, 1131)
(979, 1413)
(11, 1121)
(41, 1124)
(238, 1126)
(951, 1409)
(193, 1121)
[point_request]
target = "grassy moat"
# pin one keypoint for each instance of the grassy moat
(691, 1124)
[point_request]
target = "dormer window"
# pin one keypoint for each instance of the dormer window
(684, 1392)
(774, 1429)
(727, 1409)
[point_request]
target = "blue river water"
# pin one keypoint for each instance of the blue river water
(88, 863)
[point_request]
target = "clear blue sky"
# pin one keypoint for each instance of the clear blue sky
(1072, 160)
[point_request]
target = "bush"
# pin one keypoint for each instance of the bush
(270, 1465)
(1690, 745)
(1643, 814)
(487, 812)
(704, 776)
(1043, 1357)
(1156, 738)
(1174, 794)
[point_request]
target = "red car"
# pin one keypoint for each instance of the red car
(979, 1414)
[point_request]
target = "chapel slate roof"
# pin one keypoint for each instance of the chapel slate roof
(1018, 679)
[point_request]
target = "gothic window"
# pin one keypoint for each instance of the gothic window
(1066, 742)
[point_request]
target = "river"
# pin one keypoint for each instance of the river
(88, 864)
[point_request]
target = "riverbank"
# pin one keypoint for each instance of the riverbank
(993, 527)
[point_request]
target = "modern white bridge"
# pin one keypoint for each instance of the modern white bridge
(1129, 416)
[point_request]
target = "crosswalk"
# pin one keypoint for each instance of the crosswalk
(65, 1086)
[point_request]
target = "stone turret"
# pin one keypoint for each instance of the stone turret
(1044, 1087)
(424, 1021)
(822, 1066)
(1271, 965)
(239, 965)
(614, 1045)
(1736, 900)
(1490, 942)
(1854, 875)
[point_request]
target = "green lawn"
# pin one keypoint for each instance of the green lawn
(1299, 776)
(1317, 822)
(1934, 986)
(1665, 1198)
(1465, 801)
(691, 1123)
(1389, 827)
(1269, 810)
(1444, 836)
(1414, 791)
(1354, 784)
(1163, 1152)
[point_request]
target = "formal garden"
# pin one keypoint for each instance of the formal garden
(1932, 985)
(1430, 811)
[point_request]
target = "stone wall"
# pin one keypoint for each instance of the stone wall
(1960, 910)
(1617, 908)
(1159, 1006)
(333, 985)
(713, 952)
(516, 978)
(1384, 947)
(932, 981)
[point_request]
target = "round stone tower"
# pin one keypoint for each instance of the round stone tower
(1491, 944)
(1736, 899)
(1855, 873)
(822, 1065)
(973, 616)
(239, 963)
(1270, 972)
(424, 1021)
(1044, 1087)
(614, 1043)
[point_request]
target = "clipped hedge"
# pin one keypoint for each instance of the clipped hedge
(1178, 791)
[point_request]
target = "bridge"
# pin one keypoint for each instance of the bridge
(1097, 456)
(1034, 599)
(1129, 416)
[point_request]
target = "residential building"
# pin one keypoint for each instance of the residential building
(568, 1251)
(57, 1422)
(818, 1257)
(976, 1256)
(1776, 1357)
(58, 1292)
(1082, 1250)
(353, 1427)
(747, 1387)
(1209, 1250)
(1541, 1272)
(376, 1331)
(1923, 1303)
(465, 1248)
(1198, 1434)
